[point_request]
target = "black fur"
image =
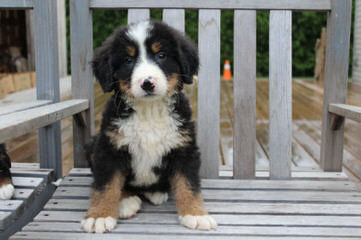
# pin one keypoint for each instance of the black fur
(111, 65)
(5, 163)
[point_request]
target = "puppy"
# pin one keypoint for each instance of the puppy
(146, 145)
(6, 186)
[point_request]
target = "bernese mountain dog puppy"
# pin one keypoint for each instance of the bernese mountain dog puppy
(146, 146)
(6, 186)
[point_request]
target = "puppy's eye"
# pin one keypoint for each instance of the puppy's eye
(161, 55)
(129, 60)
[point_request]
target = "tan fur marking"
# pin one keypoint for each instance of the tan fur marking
(114, 136)
(156, 46)
(105, 203)
(173, 81)
(125, 86)
(5, 181)
(187, 202)
(130, 51)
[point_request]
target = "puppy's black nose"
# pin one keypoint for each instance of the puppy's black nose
(148, 85)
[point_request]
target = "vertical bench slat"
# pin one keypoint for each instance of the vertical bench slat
(209, 91)
(244, 88)
(174, 18)
(81, 31)
(336, 77)
(47, 79)
(135, 15)
(280, 133)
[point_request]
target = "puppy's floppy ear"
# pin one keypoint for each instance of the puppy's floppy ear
(188, 58)
(102, 67)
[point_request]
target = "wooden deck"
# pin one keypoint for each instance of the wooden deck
(314, 205)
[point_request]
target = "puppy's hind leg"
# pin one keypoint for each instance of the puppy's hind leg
(156, 198)
(129, 205)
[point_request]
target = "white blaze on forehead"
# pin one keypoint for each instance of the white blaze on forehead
(145, 67)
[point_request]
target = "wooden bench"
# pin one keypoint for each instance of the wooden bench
(279, 202)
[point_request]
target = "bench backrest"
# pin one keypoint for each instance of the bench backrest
(208, 124)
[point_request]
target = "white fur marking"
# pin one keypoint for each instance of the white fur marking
(99, 225)
(145, 67)
(150, 133)
(128, 207)
(204, 222)
(7, 191)
(156, 198)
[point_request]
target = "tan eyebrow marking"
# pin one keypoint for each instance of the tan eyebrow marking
(156, 46)
(130, 51)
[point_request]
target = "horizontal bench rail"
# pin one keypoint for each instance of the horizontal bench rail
(19, 123)
(319, 5)
(345, 110)
(17, 4)
(22, 106)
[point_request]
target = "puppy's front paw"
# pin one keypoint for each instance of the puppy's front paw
(129, 206)
(98, 225)
(204, 222)
(156, 198)
(7, 191)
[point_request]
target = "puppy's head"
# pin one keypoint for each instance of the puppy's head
(145, 59)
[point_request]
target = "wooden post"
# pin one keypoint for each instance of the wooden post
(135, 15)
(63, 68)
(174, 18)
(209, 92)
(356, 66)
(336, 77)
(320, 50)
(81, 30)
(280, 102)
(244, 88)
(47, 78)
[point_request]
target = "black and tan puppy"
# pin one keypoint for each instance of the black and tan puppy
(6, 186)
(146, 145)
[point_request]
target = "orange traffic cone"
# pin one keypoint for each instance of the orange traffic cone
(227, 74)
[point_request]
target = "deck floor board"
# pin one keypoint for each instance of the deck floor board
(302, 208)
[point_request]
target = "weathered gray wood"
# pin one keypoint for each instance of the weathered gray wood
(222, 219)
(22, 106)
(208, 130)
(82, 236)
(244, 88)
(174, 18)
(27, 181)
(297, 173)
(17, 4)
(244, 195)
(280, 103)
(247, 184)
(5, 219)
(335, 86)
(221, 230)
(47, 79)
(215, 4)
(135, 15)
(29, 23)
(275, 208)
(348, 111)
(63, 62)
(19, 123)
(81, 31)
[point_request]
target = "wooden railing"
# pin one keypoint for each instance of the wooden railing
(47, 117)
(208, 125)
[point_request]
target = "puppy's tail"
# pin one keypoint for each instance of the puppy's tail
(89, 151)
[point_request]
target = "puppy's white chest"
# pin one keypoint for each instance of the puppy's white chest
(150, 133)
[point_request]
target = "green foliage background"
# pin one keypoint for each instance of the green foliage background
(306, 28)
